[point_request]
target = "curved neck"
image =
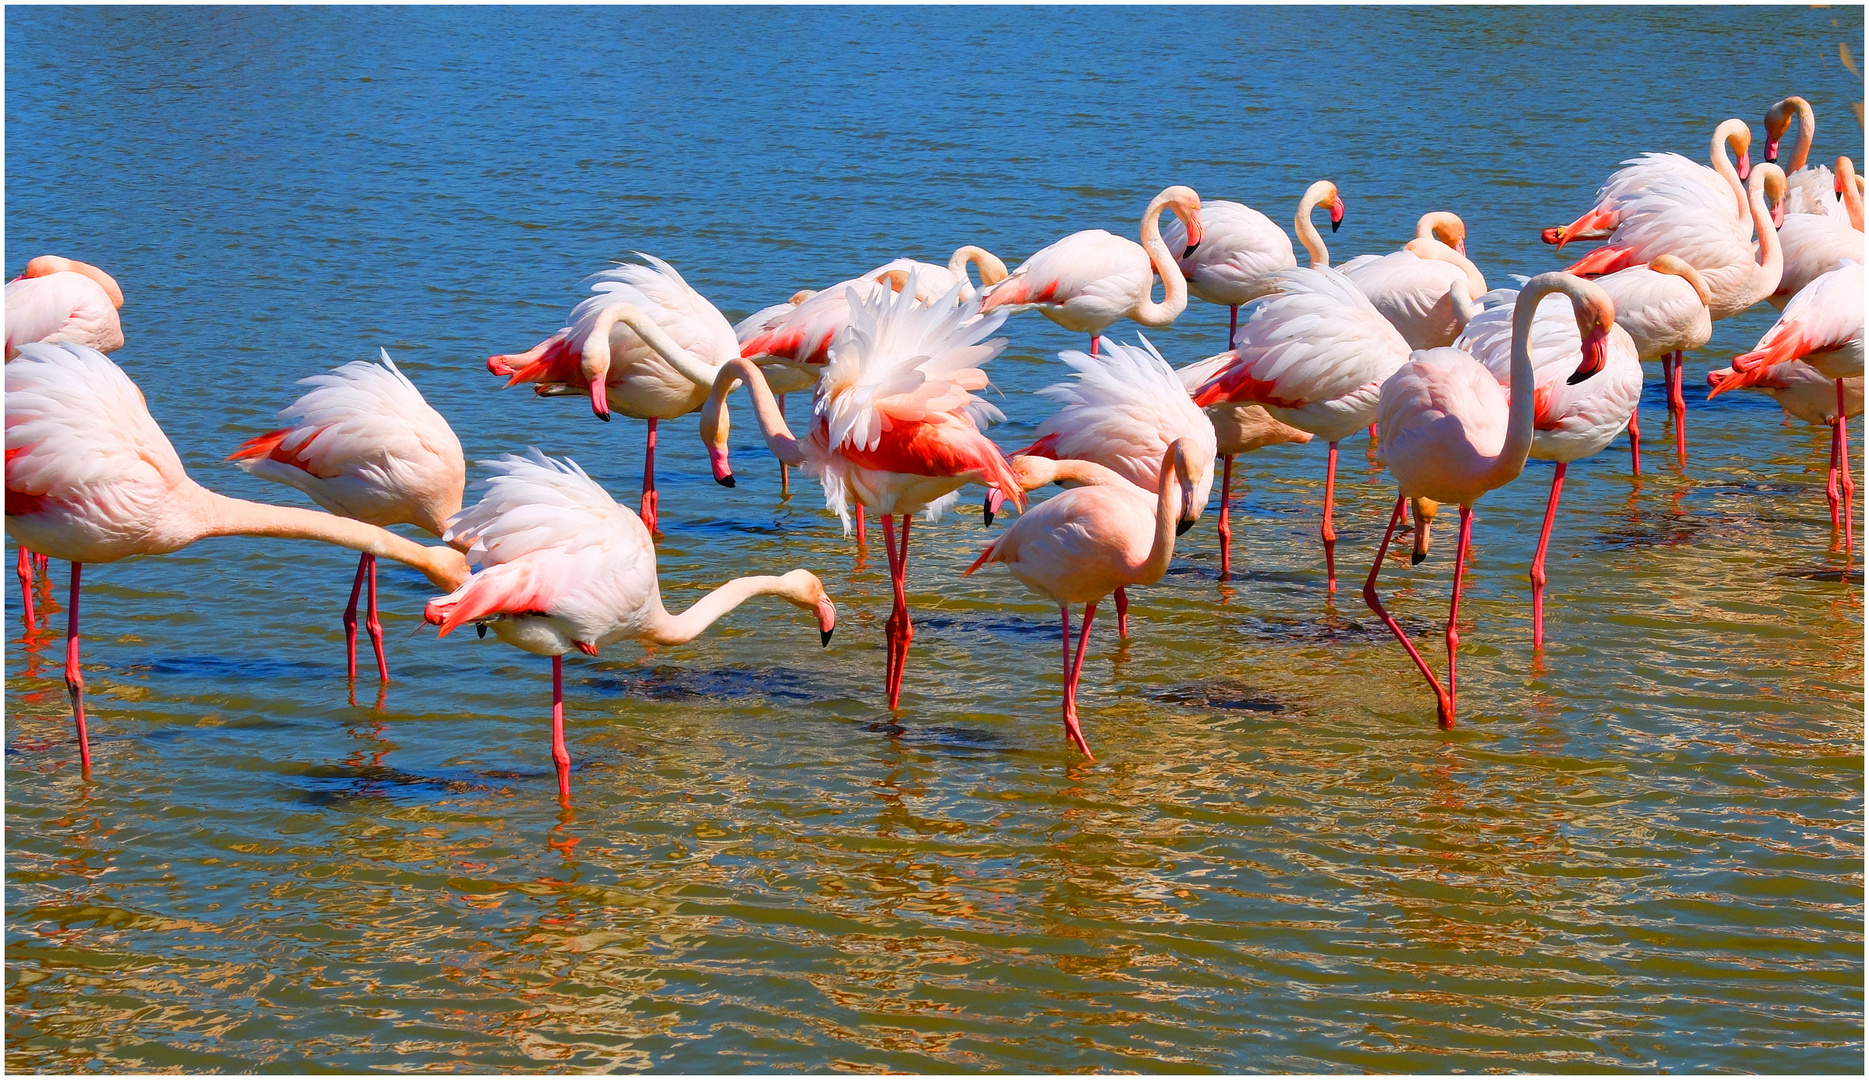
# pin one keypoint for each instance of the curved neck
(779, 437)
(666, 629)
(1440, 225)
(1432, 248)
(1167, 503)
(1307, 233)
(597, 345)
(1174, 286)
(1723, 164)
(1521, 410)
(1036, 472)
(1771, 256)
(1807, 130)
(992, 269)
(1464, 306)
(1852, 194)
(223, 516)
(1668, 264)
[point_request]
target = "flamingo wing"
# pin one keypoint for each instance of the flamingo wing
(1123, 409)
(1316, 340)
(79, 431)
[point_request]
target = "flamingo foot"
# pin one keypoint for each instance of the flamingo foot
(1122, 613)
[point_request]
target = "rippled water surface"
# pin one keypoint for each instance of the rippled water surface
(1640, 850)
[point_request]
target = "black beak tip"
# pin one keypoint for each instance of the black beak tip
(824, 637)
(1577, 377)
(1189, 250)
(480, 629)
(1335, 222)
(1417, 558)
(604, 416)
(726, 481)
(1181, 527)
(1772, 159)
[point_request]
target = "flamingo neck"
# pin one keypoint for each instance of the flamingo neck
(1510, 460)
(597, 346)
(992, 269)
(714, 422)
(1771, 265)
(1433, 248)
(1807, 130)
(1167, 501)
(1036, 472)
(1174, 285)
(219, 515)
(1852, 194)
(1307, 233)
(666, 629)
(1723, 136)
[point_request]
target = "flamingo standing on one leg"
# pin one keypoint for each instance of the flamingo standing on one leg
(1090, 279)
(1429, 288)
(1586, 381)
(1452, 433)
(1801, 391)
(646, 345)
(364, 444)
(563, 566)
(90, 478)
(1121, 412)
(1663, 306)
(1241, 249)
(57, 299)
(893, 426)
(1079, 546)
(1315, 355)
(1822, 326)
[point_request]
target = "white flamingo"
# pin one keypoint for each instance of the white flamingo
(1241, 249)
(1429, 288)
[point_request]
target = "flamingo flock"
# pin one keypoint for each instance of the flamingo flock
(1457, 384)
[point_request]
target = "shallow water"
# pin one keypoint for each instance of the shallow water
(1642, 850)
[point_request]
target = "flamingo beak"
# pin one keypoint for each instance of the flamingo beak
(600, 401)
(480, 629)
(1595, 352)
(1336, 213)
(1745, 164)
(1461, 246)
(995, 498)
(1778, 215)
(827, 621)
(1196, 233)
(723, 472)
(1771, 155)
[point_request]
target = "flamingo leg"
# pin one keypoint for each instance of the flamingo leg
(863, 538)
(1635, 439)
(1833, 491)
(1453, 614)
(45, 564)
(649, 500)
(1538, 560)
(74, 679)
(375, 625)
(899, 630)
(350, 619)
(1226, 524)
(1073, 669)
(1093, 344)
(785, 471)
(561, 755)
(1329, 531)
(28, 616)
(1443, 703)
(1677, 400)
(1122, 612)
(1843, 472)
(1233, 323)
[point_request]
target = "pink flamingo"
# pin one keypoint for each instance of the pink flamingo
(1803, 392)
(1238, 429)
(1663, 306)
(1428, 290)
(365, 445)
(1090, 279)
(1808, 186)
(1451, 433)
(1816, 244)
(894, 426)
(1241, 249)
(1079, 546)
(1126, 406)
(90, 478)
(1315, 355)
(58, 299)
(1822, 326)
(1586, 381)
(1709, 186)
(563, 566)
(646, 345)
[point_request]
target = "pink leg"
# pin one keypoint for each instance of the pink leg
(1833, 491)
(350, 619)
(74, 679)
(1677, 401)
(1226, 523)
(1843, 471)
(1538, 560)
(375, 625)
(1233, 323)
(1073, 669)
(1635, 440)
(561, 756)
(1122, 613)
(785, 471)
(29, 616)
(907, 632)
(1443, 704)
(1453, 615)
(1329, 532)
(649, 499)
(45, 564)
(862, 530)
(897, 631)
(1093, 344)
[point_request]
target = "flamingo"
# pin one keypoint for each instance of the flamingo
(1090, 279)
(1238, 429)
(1123, 410)
(1427, 289)
(1586, 380)
(90, 478)
(646, 345)
(58, 299)
(1822, 326)
(1676, 219)
(1663, 306)
(1079, 546)
(895, 426)
(1715, 186)
(1807, 186)
(1801, 391)
(1815, 243)
(1452, 433)
(1315, 355)
(1241, 249)
(562, 566)
(365, 445)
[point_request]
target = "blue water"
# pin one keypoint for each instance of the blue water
(1642, 850)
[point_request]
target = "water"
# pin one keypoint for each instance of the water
(1640, 851)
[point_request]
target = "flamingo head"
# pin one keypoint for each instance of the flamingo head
(53, 264)
(802, 589)
(1185, 203)
(1184, 479)
(1445, 227)
(594, 366)
(1424, 511)
(1596, 317)
(1777, 121)
(1336, 209)
(1776, 190)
